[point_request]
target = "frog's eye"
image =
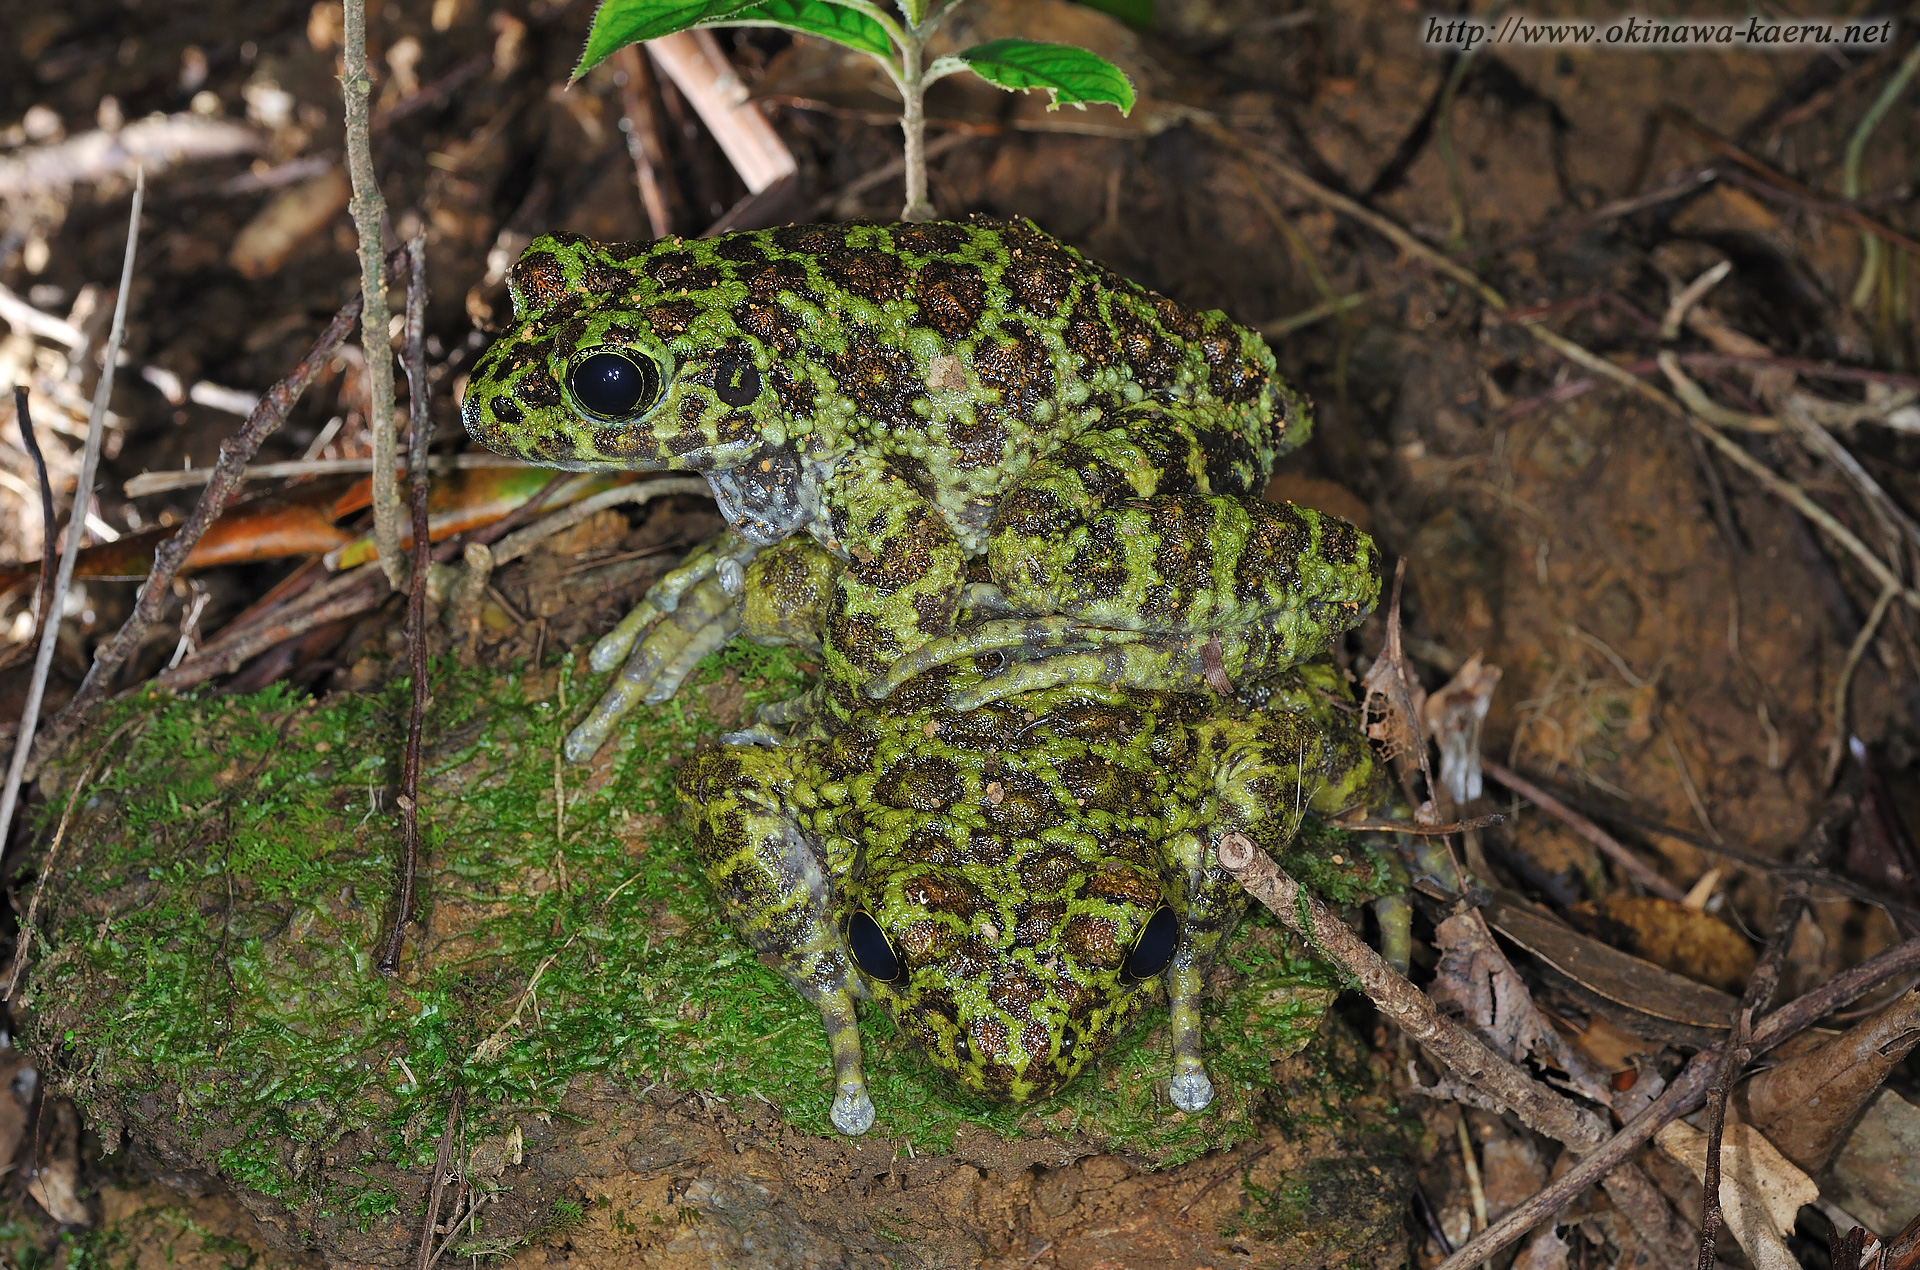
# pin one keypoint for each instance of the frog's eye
(1154, 949)
(872, 951)
(611, 384)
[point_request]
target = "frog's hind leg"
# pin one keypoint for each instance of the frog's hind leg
(774, 884)
(1260, 774)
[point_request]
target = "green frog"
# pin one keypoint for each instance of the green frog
(959, 414)
(1017, 881)
(1005, 495)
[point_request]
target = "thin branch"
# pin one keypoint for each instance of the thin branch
(1639, 870)
(23, 417)
(437, 1188)
(419, 435)
(1737, 1051)
(369, 210)
(235, 453)
(76, 520)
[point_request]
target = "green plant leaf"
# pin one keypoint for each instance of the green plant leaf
(619, 23)
(1136, 13)
(915, 10)
(1070, 74)
(829, 21)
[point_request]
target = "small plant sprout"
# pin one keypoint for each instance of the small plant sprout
(1068, 73)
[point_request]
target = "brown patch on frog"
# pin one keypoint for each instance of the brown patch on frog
(537, 390)
(1095, 784)
(671, 318)
(1040, 274)
(1232, 463)
(919, 783)
(1032, 512)
(1048, 870)
(978, 442)
(681, 270)
(1089, 335)
(990, 849)
(871, 275)
(771, 323)
(1231, 377)
(620, 253)
(1014, 988)
(812, 240)
(1098, 721)
(932, 843)
(939, 239)
(991, 727)
(1276, 540)
(1099, 566)
(1037, 922)
(1021, 369)
(1093, 941)
(795, 392)
(601, 279)
(864, 641)
(933, 612)
(1025, 804)
(851, 752)
(1183, 530)
(926, 940)
(617, 441)
(952, 298)
(880, 379)
(739, 248)
(1120, 884)
(538, 280)
(1150, 355)
(1178, 318)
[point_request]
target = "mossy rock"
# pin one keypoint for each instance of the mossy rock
(206, 981)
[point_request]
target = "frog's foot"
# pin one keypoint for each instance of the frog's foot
(723, 557)
(701, 621)
(852, 1111)
(1191, 1090)
(1046, 652)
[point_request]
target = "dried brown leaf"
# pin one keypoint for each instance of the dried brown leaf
(1761, 1191)
(1673, 936)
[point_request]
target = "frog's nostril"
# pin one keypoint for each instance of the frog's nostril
(506, 410)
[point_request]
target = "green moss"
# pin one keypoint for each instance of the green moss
(219, 906)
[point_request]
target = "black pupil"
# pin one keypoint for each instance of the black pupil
(610, 385)
(870, 948)
(1155, 949)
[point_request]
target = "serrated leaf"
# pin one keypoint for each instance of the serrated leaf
(1070, 74)
(829, 21)
(619, 23)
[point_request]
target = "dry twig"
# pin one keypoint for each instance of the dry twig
(76, 521)
(369, 211)
(222, 486)
(419, 434)
(43, 593)
(1636, 868)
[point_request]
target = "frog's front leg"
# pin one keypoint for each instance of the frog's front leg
(1136, 573)
(776, 887)
(727, 587)
(1256, 774)
(902, 571)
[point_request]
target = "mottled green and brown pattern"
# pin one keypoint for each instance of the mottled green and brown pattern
(992, 479)
(936, 405)
(1013, 855)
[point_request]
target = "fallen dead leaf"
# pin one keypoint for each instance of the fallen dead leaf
(289, 219)
(1875, 1176)
(55, 1181)
(1761, 1191)
(1808, 1102)
(1453, 717)
(1684, 940)
(1545, 1251)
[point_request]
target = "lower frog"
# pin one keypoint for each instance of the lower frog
(1015, 881)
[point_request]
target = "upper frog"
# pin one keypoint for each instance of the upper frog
(956, 412)
(956, 354)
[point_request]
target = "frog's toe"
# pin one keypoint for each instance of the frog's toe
(852, 1112)
(1191, 1090)
(758, 734)
(1011, 637)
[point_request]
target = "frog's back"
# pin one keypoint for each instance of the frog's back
(960, 350)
